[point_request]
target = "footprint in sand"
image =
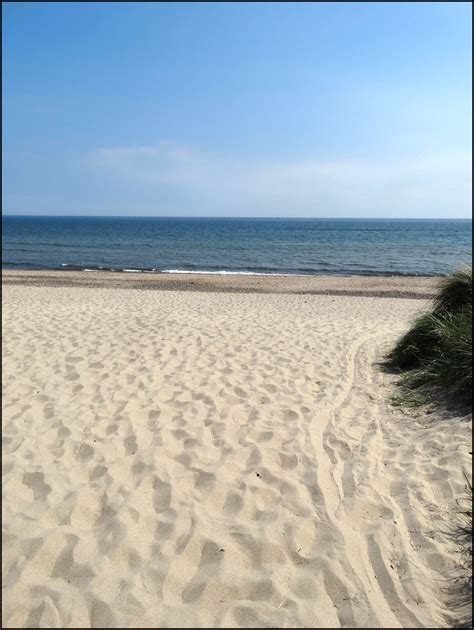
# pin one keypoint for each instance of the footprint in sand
(211, 556)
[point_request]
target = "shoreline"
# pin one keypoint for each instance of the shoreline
(408, 287)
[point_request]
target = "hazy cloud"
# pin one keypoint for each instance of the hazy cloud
(435, 185)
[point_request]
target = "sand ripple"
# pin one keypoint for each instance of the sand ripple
(177, 459)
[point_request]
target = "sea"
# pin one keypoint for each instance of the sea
(343, 247)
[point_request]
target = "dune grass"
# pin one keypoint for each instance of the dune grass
(455, 292)
(460, 591)
(436, 353)
(435, 356)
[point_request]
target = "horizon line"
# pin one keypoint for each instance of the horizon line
(126, 216)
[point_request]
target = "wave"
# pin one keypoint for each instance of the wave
(225, 272)
(307, 272)
(299, 272)
(72, 267)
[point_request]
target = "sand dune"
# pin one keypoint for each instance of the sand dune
(191, 459)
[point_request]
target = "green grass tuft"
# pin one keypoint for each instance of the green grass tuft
(435, 356)
(460, 594)
(407, 400)
(436, 353)
(416, 346)
(455, 292)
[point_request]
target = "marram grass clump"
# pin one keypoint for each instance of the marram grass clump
(455, 292)
(460, 591)
(436, 353)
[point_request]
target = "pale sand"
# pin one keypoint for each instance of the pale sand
(191, 459)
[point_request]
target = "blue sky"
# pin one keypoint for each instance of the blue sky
(245, 109)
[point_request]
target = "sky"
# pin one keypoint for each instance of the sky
(237, 109)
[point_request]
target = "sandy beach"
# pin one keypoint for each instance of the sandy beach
(225, 456)
(369, 286)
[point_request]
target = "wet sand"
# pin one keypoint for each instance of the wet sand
(369, 286)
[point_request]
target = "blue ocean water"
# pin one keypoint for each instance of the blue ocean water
(258, 246)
